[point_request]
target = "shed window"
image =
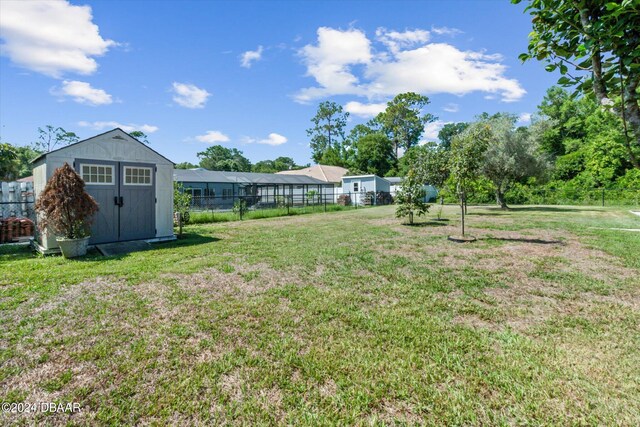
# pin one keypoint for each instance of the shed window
(356, 187)
(137, 176)
(97, 174)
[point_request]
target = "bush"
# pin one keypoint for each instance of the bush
(67, 209)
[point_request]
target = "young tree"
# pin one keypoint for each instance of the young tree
(374, 154)
(512, 155)
(49, 138)
(328, 131)
(410, 197)
(599, 40)
(432, 166)
(403, 120)
(219, 158)
(467, 155)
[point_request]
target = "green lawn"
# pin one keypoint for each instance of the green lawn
(337, 318)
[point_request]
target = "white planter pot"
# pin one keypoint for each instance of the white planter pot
(72, 248)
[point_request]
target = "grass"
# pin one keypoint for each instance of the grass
(336, 318)
(211, 216)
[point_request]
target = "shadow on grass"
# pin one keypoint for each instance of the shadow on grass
(523, 240)
(538, 209)
(425, 224)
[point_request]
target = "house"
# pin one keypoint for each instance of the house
(132, 184)
(431, 193)
(221, 189)
(357, 187)
(329, 174)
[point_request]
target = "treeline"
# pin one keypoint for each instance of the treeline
(219, 158)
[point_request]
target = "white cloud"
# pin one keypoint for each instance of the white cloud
(189, 96)
(51, 37)
(250, 56)
(213, 136)
(431, 130)
(112, 124)
(524, 118)
(330, 61)
(395, 40)
(445, 31)
(405, 62)
(273, 139)
(364, 110)
(451, 108)
(83, 93)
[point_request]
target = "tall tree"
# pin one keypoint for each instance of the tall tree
(51, 137)
(404, 121)
(219, 158)
(512, 155)
(448, 131)
(600, 41)
(374, 154)
(328, 131)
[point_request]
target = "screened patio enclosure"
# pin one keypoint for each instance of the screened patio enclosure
(219, 190)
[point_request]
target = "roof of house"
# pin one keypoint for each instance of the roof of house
(322, 172)
(365, 176)
(25, 179)
(197, 175)
(43, 155)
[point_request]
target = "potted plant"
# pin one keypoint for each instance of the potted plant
(67, 211)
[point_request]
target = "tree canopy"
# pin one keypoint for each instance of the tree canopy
(219, 158)
(596, 47)
(328, 130)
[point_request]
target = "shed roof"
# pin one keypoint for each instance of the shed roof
(322, 172)
(364, 176)
(196, 175)
(43, 155)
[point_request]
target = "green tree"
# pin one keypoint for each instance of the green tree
(467, 156)
(600, 42)
(185, 165)
(51, 137)
(374, 154)
(512, 155)
(448, 131)
(9, 166)
(403, 120)
(277, 165)
(140, 136)
(328, 131)
(219, 158)
(410, 197)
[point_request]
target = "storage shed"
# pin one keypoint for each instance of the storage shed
(132, 184)
(430, 192)
(360, 186)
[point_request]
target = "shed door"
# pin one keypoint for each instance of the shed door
(125, 193)
(138, 201)
(101, 182)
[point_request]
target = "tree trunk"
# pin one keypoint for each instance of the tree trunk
(462, 209)
(411, 217)
(501, 200)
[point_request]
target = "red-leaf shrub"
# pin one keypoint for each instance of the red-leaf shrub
(67, 209)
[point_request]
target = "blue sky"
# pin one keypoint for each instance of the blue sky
(250, 74)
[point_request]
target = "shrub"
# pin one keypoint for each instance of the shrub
(67, 209)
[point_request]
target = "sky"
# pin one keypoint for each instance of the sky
(250, 74)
